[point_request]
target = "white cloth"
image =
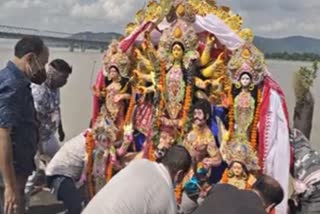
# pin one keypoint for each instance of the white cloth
(277, 161)
(222, 31)
(69, 160)
(143, 187)
(210, 23)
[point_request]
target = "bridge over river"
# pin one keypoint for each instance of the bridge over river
(54, 38)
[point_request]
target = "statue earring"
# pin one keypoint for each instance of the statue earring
(251, 86)
(237, 85)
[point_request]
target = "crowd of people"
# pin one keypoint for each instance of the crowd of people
(30, 117)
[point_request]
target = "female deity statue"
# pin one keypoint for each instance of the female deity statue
(258, 114)
(177, 51)
(238, 176)
(104, 153)
(99, 86)
(116, 94)
(242, 161)
(246, 69)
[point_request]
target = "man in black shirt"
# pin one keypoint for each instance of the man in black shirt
(227, 199)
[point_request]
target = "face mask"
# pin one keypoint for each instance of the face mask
(37, 75)
(56, 79)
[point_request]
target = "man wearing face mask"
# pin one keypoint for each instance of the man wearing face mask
(47, 103)
(143, 186)
(18, 125)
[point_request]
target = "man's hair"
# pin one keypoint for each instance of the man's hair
(29, 44)
(269, 189)
(61, 66)
(177, 158)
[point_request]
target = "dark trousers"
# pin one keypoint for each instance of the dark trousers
(68, 193)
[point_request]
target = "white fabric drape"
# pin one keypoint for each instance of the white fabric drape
(277, 147)
(209, 23)
(216, 26)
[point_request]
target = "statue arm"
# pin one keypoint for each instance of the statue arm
(206, 54)
(209, 70)
(202, 84)
(213, 151)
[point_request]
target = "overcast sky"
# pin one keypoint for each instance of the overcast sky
(271, 18)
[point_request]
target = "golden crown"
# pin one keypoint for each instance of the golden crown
(241, 152)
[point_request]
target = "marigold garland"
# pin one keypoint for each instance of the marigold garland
(129, 111)
(225, 177)
(186, 106)
(151, 151)
(162, 84)
(254, 132)
(89, 167)
(108, 169)
(230, 114)
(178, 192)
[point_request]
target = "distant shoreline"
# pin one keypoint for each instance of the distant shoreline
(303, 57)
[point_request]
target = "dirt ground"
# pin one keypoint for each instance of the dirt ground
(45, 203)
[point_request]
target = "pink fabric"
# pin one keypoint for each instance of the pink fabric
(100, 84)
(126, 43)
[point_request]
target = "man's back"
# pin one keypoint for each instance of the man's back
(226, 199)
(143, 187)
(69, 160)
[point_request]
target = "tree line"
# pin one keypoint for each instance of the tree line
(293, 56)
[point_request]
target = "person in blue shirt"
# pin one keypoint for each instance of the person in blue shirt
(18, 124)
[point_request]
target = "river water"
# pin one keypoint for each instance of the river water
(77, 95)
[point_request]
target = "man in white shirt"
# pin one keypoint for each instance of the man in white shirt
(143, 187)
(64, 173)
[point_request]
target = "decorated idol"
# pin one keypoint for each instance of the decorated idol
(176, 53)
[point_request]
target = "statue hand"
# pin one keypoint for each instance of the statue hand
(136, 73)
(147, 36)
(251, 179)
(141, 89)
(117, 98)
(138, 53)
(207, 83)
(210, 39)
(207, 163)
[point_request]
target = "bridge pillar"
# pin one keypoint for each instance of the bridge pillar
(83, 47)
(71, 48)
(101, 49)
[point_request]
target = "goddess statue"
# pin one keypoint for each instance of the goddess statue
(178, 54)
(104, 152)
(241, 162)
(246, 69)
(115, 95)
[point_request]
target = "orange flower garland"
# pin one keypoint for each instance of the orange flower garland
(151, 151)
(162, 84)
(89, 150)
(178, 192)
(253, 140)
(225, 178)
(230, 114)
(108, 169)
(129, 111)
(186, 106)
